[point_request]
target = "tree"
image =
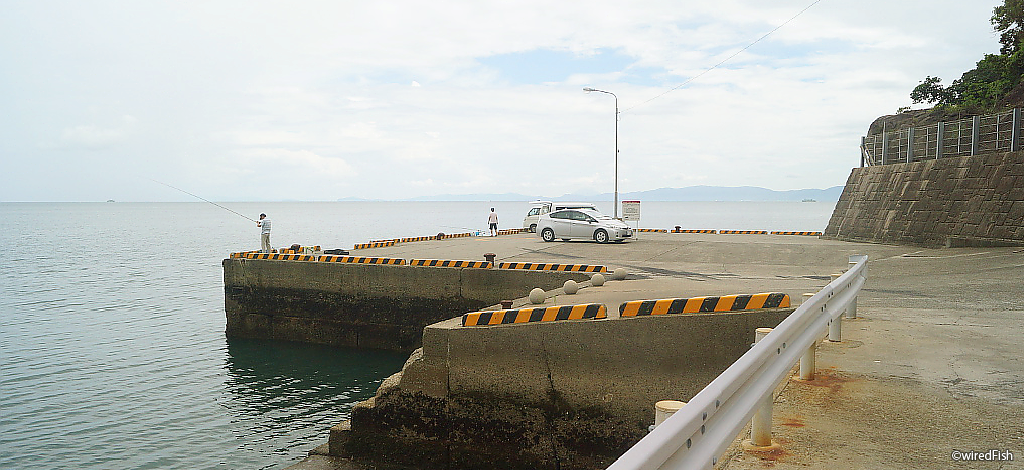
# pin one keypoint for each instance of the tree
(1008, 20)
(930, 90)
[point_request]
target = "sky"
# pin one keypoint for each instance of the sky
(324, 100)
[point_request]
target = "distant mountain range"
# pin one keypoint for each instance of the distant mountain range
(691, 193)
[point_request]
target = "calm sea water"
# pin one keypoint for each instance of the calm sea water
(112, 346)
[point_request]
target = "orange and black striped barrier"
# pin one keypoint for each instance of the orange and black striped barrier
(382, 244)
(810, 234)
(417, 239)
(447, 263)
(582, 268)
(360, 260)
(654, 230)
(743, 232)
(693, 231)
(725, 303)
(537, 314)
(279, 256)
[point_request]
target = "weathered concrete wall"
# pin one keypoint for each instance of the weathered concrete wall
(958, 201)
(362, 305)
(556, 395)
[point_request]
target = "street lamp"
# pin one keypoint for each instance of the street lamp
(615, 207)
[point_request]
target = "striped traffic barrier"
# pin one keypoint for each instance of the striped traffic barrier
(417, 239)
(655, 230)
(363, 246)
(458, 235)
(392, 241)
(279, 256)
(583, 268)
(448, 263)
(724, 303)
(693, 231)
(360, 260)
(810, 234)
(241, 254)
(511, 231)
(743, 232)
(537, 314)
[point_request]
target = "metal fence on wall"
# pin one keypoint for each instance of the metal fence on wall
(979, 134)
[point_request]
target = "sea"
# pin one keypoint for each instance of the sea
(112, 345)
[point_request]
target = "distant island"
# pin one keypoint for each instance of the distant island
(691, 193)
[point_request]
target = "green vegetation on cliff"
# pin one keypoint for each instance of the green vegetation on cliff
(995, 82)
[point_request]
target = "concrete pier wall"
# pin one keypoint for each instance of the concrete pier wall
(362, 305)
(556, 395)
(956, 201)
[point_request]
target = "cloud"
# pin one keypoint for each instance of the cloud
(367, 99)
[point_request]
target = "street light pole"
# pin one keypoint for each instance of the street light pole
(615, 207)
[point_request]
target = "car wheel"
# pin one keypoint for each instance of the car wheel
(533, 228)
(601, 236)
(548, 235)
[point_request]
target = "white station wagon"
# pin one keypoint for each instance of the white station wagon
(582, 223)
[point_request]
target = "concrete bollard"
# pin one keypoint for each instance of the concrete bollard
(761, 422)
(597, 280)
(570, 287)
(619, 274)
(665, 408)
(537, 295)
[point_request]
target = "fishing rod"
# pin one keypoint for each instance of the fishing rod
(201, 198)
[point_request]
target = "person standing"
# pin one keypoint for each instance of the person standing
(492, 223)
(264, 225)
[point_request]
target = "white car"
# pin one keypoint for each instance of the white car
(582, 223)
(543, 207)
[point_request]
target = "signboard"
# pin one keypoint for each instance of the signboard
(631, 210)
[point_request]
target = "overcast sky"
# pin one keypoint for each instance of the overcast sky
(321, 100)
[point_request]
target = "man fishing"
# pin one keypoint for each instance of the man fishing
(264, 224)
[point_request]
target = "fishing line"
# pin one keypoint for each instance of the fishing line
(203, 199)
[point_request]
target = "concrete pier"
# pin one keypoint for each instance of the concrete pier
(933, 347)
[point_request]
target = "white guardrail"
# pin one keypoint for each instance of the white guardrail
(700, 432)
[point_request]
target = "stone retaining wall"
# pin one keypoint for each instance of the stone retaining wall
(957, 201)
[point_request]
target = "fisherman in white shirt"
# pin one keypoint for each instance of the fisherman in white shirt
(264, 224)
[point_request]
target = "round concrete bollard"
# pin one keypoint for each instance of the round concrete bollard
(537, 295)
(619, 274)
(571, 287)
(665, 408)
(597, 280)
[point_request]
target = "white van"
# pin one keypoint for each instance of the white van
(544, 207)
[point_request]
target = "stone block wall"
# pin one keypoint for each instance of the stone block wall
(958, 201)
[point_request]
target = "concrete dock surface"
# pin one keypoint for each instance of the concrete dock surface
(930, 371)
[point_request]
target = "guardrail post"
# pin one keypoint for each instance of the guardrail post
(761, 422)
(807, 362)
(851, 310)
(835, 327)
